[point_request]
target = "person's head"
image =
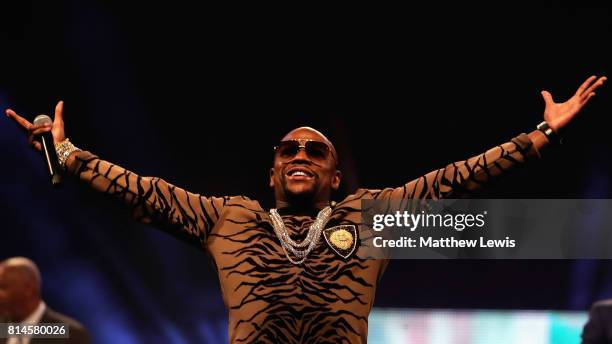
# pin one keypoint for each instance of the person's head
(20, 284)
(305, 169)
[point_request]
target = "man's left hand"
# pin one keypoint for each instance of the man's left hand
(558, 115)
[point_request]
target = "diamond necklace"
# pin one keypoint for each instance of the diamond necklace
(302, 249)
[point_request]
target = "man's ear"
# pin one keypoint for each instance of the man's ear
(272, 177)
(336, 180)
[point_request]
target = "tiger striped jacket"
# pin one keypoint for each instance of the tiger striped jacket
(327, 298)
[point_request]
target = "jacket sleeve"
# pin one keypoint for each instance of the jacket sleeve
(461, 179)
(151, 199)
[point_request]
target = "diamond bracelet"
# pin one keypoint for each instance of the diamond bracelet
(63, 150)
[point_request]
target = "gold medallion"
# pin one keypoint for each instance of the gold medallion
(342, 239)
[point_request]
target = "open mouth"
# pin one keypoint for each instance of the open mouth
(299, 173)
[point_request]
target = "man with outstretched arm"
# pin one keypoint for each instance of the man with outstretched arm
(291, 274)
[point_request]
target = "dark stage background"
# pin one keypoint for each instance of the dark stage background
(199, 95)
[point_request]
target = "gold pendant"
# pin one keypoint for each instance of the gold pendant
(342, 239)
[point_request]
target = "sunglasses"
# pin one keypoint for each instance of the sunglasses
(317, 151)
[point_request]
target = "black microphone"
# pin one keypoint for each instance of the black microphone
(48, 150)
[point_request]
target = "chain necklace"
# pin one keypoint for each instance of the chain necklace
(302, 249)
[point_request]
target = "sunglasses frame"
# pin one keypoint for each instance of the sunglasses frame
(302, 145)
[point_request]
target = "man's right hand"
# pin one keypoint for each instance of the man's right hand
(57, 129)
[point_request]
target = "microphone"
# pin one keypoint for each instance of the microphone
(48, 149)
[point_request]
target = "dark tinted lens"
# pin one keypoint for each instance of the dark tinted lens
(317, 150)
(287, 149)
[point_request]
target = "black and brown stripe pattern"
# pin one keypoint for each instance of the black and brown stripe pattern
(327, 299)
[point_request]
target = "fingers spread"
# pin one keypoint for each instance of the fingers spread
(594, 86)
(59, 111)
(585, 85)
(548, 99)
(586, 99)
(20, 120)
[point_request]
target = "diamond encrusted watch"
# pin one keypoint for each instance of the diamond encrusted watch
(63, 150)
